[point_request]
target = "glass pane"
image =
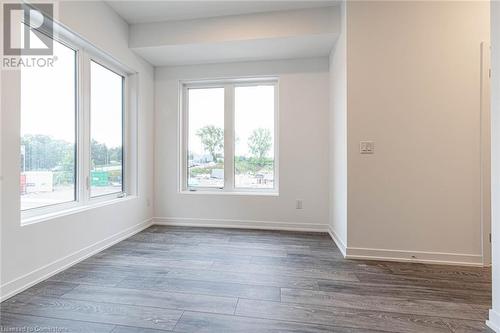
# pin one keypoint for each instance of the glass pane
(206, 137)
(48, 145)
(106, 131)
(254, 135)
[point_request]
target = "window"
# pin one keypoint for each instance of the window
(254, 136)
(206, 137)
(229, 140)
(48, 134)
(106, 136)
(73, 129)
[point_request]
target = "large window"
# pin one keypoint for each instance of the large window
(229, 140)
(254, 136)
(48, 134)
(206, 137)
(106, 128)
(73, 130)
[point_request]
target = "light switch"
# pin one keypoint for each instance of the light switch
(298, 204)
(367, 147)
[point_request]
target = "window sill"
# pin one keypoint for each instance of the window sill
(70, 211)
(235, 193)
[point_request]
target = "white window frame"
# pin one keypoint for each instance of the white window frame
(229, 86)
(85, 53)
(122, 193)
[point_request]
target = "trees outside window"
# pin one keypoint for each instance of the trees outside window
(243, 115)
(48, 136)
(206, 137)
(254, 111)
(106, 131)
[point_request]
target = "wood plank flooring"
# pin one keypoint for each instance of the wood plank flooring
(247, 281)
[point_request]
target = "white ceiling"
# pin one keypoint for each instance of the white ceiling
(247, 50)
(166, 10)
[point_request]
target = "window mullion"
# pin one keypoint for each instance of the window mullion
(84, 128)
(184, 139)
(229, 138)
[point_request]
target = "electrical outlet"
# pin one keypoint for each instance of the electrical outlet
(367, 147)
(298, 204)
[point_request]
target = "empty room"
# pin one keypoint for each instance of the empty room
(250, 166)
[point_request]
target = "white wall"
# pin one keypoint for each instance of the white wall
(285, 24)
(303, 150)
(338, 136)
(30, 252)
(306, 33)
(494, 318)
(414, 88)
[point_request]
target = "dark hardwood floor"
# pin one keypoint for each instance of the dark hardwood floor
(225, 280)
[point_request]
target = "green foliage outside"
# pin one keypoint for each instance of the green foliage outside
(198, 171)
(253, 166)
(259, 145)
(102, 155)
(212, 139)
(43, 153)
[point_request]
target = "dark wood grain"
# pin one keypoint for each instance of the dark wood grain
(193, 322)
(310, 272)
(378, 303)
(131, 329)
(50, 288)
(406, 291)
(418, 281)
(468, 326)
(166, 300)
(92, 311)
(10, 322)
(73, 275)
(249, 281)
(326, 315)
(203, 287)
(273, 280)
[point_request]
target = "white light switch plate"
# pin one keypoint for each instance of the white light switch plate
(367, 147)
(298, 204)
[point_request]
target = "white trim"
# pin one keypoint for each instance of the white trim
(347, 252)
(229, 138)
(86, 53)
(249, 193)
(97, 59)
(62, 31)
(338, 241)
(229, 85)
(494, 321)
(22, 283)
(485, 152)
(415, 256)
(73, 210)
(240, 224)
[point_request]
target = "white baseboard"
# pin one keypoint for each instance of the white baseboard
(347, 252)
(22, 283)
(414, 256)
(494, 321)
(338, 241)
(239, 224)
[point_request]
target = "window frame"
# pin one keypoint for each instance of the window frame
(77, 195)
(85, 53)
(98, 60)
(229, 85)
